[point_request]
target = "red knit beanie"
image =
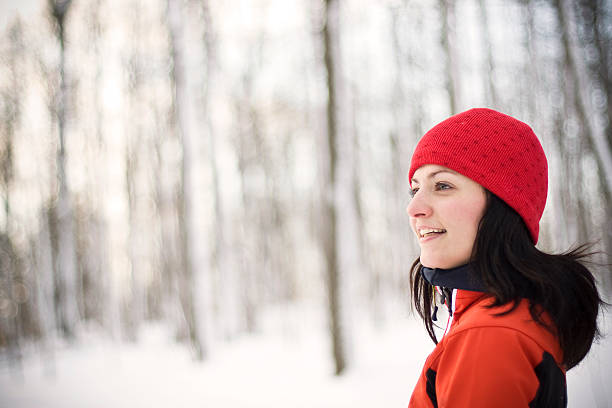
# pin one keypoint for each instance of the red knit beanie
(498, 152)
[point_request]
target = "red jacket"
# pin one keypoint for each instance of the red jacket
(492, 361)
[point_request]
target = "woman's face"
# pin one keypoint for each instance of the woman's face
(444, 214)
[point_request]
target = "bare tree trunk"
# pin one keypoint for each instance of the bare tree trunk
(98, 278)
(10, 266)
(169, 264)
(254, 256)
(43, 264)
(330, 221)
(186, 188)
(227, 279)
(135, 302)
(570, 156)
(133, 311)
(10, 119)
(249, 263)
(531, 64)
(489, 84)
(602, 40)
(406, 119)
(65, 265)
(11, 314)
(451, 63)
(595, 139)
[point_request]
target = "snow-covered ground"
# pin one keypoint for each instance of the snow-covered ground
(288, 367)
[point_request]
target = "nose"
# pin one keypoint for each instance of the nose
(419, 206)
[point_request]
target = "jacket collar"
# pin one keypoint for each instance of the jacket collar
(460, 277)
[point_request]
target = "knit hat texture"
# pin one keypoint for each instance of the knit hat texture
(500, 153)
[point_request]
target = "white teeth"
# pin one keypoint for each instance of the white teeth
(426, 231)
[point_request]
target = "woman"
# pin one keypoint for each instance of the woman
(518, 317)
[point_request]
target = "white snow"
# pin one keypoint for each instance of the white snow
(286, 365)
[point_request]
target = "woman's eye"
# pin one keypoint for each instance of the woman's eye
(413, 191)
(442, 186)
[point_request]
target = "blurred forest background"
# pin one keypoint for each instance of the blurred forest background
(195, 161)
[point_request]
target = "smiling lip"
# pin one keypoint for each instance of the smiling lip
(429, 237)
(431, 233)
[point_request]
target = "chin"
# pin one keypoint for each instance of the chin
(431, 264)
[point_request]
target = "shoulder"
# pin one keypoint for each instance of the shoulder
(513, 328)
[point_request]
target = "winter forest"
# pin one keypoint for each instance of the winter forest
(224, 178)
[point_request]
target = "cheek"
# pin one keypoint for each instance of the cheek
(466, 216)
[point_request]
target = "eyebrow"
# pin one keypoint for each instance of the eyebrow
(431, 175)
